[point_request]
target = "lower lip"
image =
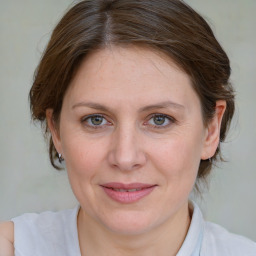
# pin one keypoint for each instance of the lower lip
(128, 197)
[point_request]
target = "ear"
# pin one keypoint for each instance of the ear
(54, 130)
(212, 136)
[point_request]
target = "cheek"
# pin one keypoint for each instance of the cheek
(82, 156)
(178, 158)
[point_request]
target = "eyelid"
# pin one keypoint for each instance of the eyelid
(170, 118)
(85, 118)
(162, 115)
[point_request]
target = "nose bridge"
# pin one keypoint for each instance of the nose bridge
(126, 151)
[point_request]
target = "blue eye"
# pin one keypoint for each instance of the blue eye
(160, 121)
(95, 121)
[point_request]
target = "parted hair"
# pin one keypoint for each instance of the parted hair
(168, 26)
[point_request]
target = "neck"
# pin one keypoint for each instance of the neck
(165, 239)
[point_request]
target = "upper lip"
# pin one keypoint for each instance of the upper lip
(118, 185)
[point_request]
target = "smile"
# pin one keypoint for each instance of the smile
(127, 190)
(127, 193)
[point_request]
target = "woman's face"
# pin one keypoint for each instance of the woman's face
(132, 136)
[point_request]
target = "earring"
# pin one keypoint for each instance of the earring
(210, 160)
(61, 159)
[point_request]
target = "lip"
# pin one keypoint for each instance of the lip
(118, 191)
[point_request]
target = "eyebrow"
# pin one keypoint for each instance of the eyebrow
(90, 105)
(165, 104)
(161, 105)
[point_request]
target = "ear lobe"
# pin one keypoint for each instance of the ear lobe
(53, 129)
(212, 137)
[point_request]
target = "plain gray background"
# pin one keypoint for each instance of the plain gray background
(27, 181)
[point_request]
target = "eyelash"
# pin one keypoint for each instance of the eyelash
(170, 119)
(87, 118)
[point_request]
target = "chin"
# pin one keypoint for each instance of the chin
(130, 223)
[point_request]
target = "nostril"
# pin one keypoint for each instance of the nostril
(125, 161)
(126, 151)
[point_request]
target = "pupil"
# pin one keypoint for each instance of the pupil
(159, 120)
(97, 120)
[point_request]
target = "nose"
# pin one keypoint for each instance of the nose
(126, 152)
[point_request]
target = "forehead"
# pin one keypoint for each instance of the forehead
(131, 59)
(134, 74)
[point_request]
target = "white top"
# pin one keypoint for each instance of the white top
(55, 234)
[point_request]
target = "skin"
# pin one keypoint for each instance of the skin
(6, 239)
(129, 88)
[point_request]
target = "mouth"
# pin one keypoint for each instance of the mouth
(127, 193)
(127, 190)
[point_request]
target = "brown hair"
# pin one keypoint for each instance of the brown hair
(168, 26)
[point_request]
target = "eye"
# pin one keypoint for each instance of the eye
(160, 121)
(95, 121)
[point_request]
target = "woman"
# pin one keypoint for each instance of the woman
(135, 98)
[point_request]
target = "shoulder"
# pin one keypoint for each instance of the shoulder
(218, 241)
(34, 224)
(6, 238)
(47, 233)
(45, 219)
